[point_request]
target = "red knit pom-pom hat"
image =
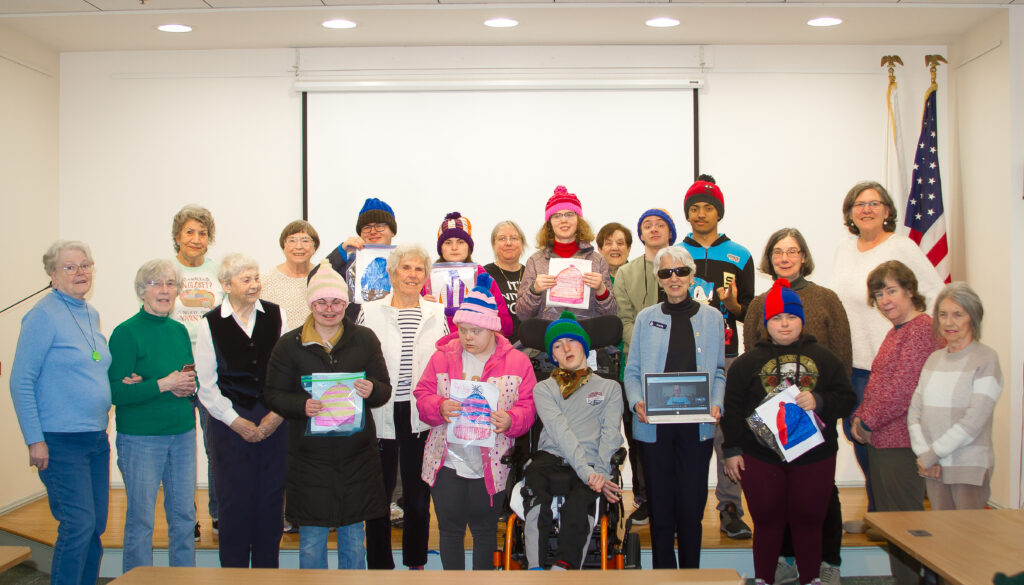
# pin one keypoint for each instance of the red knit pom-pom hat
(562, 200)
(705, 192)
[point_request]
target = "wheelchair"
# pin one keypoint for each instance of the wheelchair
(606, 550)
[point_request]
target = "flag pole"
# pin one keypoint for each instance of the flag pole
(893, 134)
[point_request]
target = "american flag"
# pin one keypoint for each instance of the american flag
(924, 203)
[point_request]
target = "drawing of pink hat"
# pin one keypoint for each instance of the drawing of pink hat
(337, 407)
(568, 286)
(475, 421)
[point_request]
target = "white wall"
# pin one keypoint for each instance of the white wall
(990, 190)
(786, 130)
(29, 76)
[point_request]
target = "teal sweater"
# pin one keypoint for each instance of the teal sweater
(151, 347)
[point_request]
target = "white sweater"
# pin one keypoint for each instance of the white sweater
(868, 327)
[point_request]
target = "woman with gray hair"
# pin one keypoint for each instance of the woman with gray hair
(678, 335)
(408, 327)
(232, 351)
(61, 397)
(507, 241)
(950, 416)
(153, 381)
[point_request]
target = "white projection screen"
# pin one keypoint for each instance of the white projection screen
(495, 155)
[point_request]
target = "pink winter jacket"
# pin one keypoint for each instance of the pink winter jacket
(510, 371)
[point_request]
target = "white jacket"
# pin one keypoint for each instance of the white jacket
(382, 318)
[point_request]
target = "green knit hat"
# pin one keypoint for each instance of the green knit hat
(565, 326)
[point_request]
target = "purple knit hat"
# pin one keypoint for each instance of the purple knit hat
(479, 308)
(455, 225)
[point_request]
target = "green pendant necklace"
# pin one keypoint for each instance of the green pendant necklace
(91, 338)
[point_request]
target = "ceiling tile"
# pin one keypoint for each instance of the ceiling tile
(41, 6)
(114, 5)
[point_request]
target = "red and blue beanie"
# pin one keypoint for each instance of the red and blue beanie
(376, 211)
(479, 307)
(566, 326)
(705, 191)
(562, 200)
(663, 215)
(455, 226)
(782, 299)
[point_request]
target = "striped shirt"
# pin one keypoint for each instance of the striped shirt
(408, 323)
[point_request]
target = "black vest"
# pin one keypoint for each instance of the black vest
(241, 360)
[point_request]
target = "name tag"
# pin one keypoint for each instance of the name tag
(659, 325)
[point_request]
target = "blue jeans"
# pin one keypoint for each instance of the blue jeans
(313, 547)
(146, 462)
(77, 482)
(859, 380)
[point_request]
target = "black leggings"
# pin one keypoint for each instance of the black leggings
(457, 502)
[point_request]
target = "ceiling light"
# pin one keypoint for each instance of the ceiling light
(338, 23)
(662, 22)
(175, 28)
(501, 22)
(825, 21)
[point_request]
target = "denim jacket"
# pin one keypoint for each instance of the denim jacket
(649, 348)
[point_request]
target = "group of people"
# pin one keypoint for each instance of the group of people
(910, 379)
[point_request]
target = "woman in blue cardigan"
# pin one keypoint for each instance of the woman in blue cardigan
(679, 335)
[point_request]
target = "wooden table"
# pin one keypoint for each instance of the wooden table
(963, 546)
(13, 555)
(183, 576)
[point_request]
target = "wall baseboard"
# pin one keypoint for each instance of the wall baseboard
(22, 501)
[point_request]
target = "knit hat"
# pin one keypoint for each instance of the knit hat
(663, 215)
(782, 299)
(562, 200)
(705, 191)
(565, 326)
(479, 307)
(376, 211)
(455, 225)
(326, 284)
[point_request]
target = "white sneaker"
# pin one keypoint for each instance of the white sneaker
(785, 573)
(828, 574)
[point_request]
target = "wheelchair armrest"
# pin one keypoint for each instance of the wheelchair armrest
(619, 457)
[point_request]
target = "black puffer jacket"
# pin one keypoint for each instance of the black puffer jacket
(332, 481)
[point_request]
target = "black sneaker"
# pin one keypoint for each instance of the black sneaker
(640, 516)
(216, 527)
(732, 525)
(196, 533)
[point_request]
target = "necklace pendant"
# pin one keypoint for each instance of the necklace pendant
(95, 355)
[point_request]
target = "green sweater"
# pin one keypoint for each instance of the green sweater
(151, 347)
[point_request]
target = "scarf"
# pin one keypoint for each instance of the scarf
(569, 382)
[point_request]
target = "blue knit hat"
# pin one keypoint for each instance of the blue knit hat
(376, 211)
(663, 215)
(782, 299)
(479, 307)
(565, 326)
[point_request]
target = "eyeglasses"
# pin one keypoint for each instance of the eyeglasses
(566, 215)
(862, 205)
(374, 227)
(323, 304)
(74, 268)
(779, 252)
(296, 241)
(162, 284)
(680, 271)
(509, 239)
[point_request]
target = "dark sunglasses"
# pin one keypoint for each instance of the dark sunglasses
(680, 271)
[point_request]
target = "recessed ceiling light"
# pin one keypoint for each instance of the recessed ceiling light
(175, 28)
(338, 23)
(825, 21)
(662, 22)
(501, 22)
